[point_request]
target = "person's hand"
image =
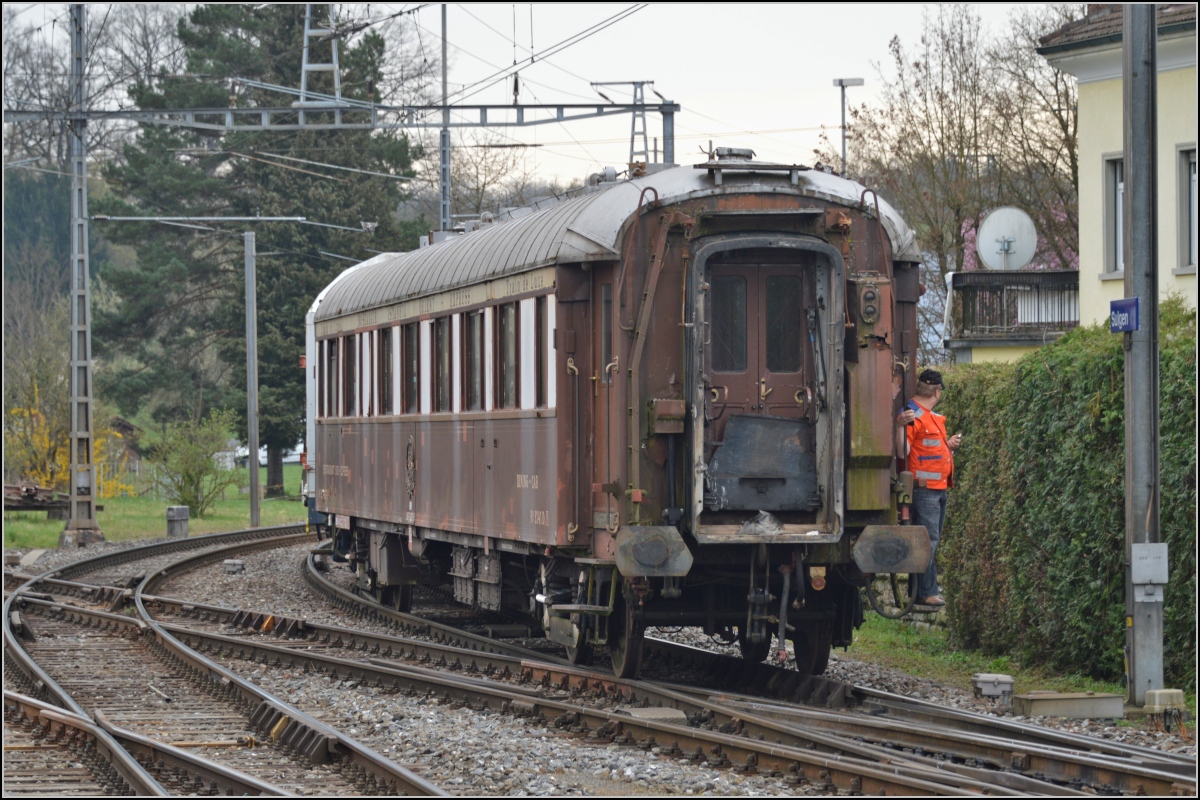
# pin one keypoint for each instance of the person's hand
(906, 416)
(955, 441)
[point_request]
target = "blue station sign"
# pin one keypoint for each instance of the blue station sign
(1123, 315)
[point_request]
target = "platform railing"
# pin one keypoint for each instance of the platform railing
(989, 304)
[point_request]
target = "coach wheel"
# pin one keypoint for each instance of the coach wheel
(626, 637)
(753, 651)
(894, 599)
(402, 598)
(812, 645)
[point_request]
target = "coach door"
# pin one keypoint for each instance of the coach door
(762, 362)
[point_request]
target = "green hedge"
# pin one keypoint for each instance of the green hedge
(1032, 552)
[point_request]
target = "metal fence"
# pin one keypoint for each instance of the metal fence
(1012, 305)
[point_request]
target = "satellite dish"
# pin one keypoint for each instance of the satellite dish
(1006, 239)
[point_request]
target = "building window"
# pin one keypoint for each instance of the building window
(506, 356)
(473, 361)
(1187, 208)
(1114, 215)
(412, 369)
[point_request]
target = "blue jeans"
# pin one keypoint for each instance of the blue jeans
(929, 509)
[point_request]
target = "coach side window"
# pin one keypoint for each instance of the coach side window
(320, 370)
(506, 356)
(473, 361)
(383, 375)
(331, 375)
(441, 350)
(412, 369)
(349, 376)
(366, 372)
(541, 336)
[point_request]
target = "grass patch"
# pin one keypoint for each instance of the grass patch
(126, 518)
(930, 654)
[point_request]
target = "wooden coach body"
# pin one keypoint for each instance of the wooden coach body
(617, 409)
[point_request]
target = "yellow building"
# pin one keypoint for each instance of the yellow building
(1091, 50)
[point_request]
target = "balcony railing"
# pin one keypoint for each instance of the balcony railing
(1026, 306)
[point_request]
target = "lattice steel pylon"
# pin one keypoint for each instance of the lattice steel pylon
(638, 126)
(82, 527)
(639, 121)
(310, 66)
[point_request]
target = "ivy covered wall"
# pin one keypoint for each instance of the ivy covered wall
(1031, 556)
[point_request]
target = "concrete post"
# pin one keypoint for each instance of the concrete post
(1144, 612)
(177, 522)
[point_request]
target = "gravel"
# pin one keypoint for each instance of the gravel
(844, 667)
(473, 752)
(61, 556)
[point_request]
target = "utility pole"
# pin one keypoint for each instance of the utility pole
(844, 82)
(252, 376)
(251, 332)
(1145, 555)
(82, 527)
(445, 134)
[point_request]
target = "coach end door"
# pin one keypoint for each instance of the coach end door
(763, 364)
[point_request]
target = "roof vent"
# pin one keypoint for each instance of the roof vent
(734, 154)
(606, 175)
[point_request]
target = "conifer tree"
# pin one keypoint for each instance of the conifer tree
(180, 317)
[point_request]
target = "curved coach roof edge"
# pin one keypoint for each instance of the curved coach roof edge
(585, 228)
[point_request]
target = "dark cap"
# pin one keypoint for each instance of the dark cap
(931, 377)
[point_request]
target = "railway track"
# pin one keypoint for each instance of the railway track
(764, 734)
(615, 711)
(128, 672)
(52, 752)
(950, 736)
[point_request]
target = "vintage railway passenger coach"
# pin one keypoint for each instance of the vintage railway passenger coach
(662, 401)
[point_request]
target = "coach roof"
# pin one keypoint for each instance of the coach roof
(584, 228)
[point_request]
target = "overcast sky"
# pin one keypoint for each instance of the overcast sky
(745, 74)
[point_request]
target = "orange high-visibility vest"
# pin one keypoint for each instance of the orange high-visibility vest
(929, 457)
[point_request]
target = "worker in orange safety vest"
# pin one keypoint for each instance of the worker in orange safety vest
(930, 458)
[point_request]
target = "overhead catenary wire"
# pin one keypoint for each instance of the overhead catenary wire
(470, 90)
(335, 166)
